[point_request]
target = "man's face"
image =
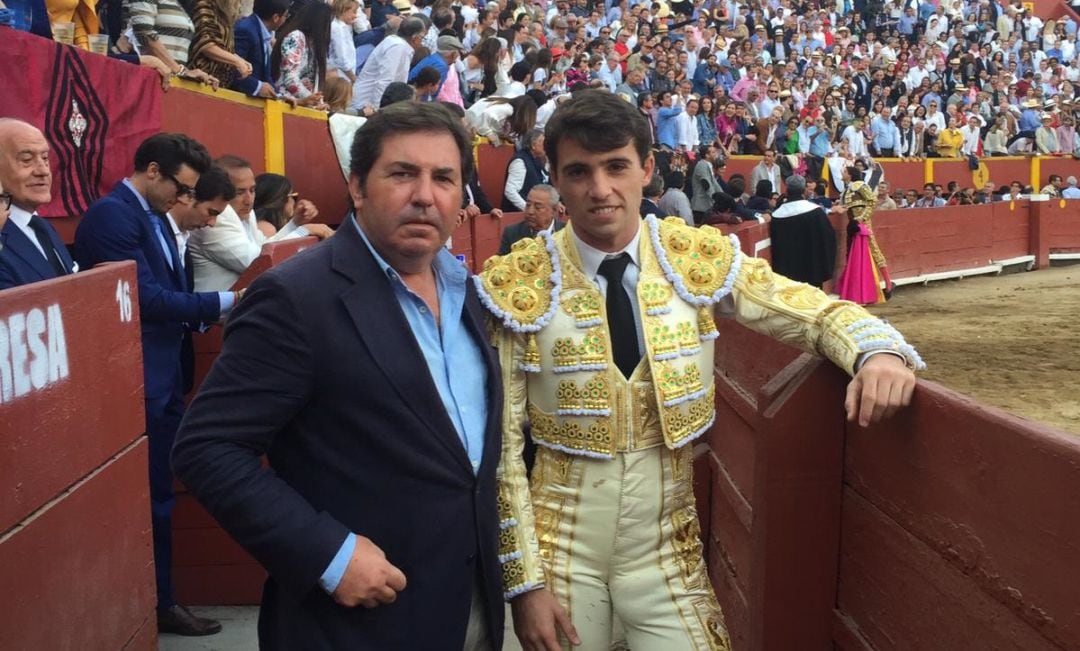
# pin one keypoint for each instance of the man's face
(24, 166)
(602, 192)
(162, 190)
(929, 192)
(770, 158)
(539, 212)
(537, 148)
(191, 215)
(408, 205)
(244, 180)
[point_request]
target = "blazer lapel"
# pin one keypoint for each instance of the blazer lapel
(382, 326)
(21, 246)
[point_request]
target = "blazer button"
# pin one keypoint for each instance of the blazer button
(470, 558)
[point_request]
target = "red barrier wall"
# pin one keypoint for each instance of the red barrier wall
(491, 165)
(959, 530)
(312, 166)
(952, 526)
(75, 547)
(223, 126)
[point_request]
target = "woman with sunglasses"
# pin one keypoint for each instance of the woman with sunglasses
(276, 203)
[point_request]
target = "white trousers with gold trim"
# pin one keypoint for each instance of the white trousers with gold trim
(621, 537)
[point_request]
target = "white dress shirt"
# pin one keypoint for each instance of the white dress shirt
(221, 253)
(590, 263)
(388, 62)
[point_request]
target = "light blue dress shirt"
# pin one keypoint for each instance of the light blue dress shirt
(454, 360)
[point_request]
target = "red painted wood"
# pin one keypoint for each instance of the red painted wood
(311, 164)
(491, 165)
(80, 574)
(461, 244)
(54, 436)
(904, 175)
(226, 585)
(1011, 231)
(902, 594)
(234, 128)
(487, 235)
(993, 495)
(1004, 171)
(144, 639)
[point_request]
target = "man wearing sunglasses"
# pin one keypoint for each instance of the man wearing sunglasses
(130, 224)
(32, 249)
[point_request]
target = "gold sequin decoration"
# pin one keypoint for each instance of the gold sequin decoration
(584, 307)
(531, 356)
(570, 434)
(661, 338)
(706, 323)
(519, 283)
(702, 257)
(595, 395)
(655, 295)
(566, 354)
(691, 417)
(675, 384)
(802, 297)
(687, 335)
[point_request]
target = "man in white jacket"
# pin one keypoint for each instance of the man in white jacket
(221, 253)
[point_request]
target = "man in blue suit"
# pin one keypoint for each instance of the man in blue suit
(130, 224)
(254, 35)
(31, 249)
(361, 369)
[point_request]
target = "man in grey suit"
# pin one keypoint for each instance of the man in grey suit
(705, 183)
(541, 206)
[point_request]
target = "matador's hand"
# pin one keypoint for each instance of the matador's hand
(883, 385)
(536, 616)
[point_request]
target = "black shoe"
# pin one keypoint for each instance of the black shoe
(181, 621)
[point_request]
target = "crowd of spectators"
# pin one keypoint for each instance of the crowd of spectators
(810, 86)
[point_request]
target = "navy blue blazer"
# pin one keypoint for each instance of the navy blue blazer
(20, 260)
(116, 227)
(320, 371)
(250, 46)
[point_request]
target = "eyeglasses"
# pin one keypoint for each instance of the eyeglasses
(295, 196)
(5, 199)
(181, 189)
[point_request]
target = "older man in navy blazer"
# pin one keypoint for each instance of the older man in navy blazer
(30, 249)
(253, 42)
(129, 224)
(361, 369)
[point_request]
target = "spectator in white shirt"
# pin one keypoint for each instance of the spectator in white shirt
(686, 131)
(221, 253)
(971, 133)
(388, 62)
(342, 50)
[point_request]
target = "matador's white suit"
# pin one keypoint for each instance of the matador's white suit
(608, 522)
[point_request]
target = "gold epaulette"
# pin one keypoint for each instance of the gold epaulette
(522, 289)
(701, 263)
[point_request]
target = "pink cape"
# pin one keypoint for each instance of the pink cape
(860, 283)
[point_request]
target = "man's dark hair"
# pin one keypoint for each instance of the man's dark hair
(736, 185)
(454, 108)
(397, 91)
(1055, 177)
(426, 76)
(410, 27)
(232, 162)
(213, 184)
(170, 151)
(442, 18)
(520, 71)
(599, 121)
(267, 9)
(404, 118)
(674, 179)
(654, 188)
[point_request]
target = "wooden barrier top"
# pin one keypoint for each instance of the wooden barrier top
(273, 254)
(70, 353)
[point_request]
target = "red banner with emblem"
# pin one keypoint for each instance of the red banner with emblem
(93, 110)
